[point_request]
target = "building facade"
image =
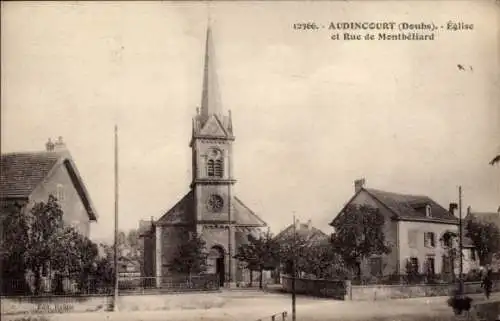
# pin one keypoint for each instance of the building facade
(415, 229)
(210, 208)
(30, 177)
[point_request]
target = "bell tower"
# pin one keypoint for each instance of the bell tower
(211, 145)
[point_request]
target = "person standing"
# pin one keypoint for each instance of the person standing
(486, 282)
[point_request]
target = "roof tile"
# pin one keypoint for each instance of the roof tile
(21, 173)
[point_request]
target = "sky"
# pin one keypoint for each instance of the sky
(310, 114)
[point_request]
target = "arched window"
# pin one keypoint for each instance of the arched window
(215, 163)
(210, 167)
(219, 171)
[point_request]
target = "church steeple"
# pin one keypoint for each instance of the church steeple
(210, 99)
(210, 121)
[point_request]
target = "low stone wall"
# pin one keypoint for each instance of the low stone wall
(343, 290)
(403, 291)
(321, 288)
(53, 304)
(127, 302)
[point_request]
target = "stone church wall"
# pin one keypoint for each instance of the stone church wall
(203, 192)
(172, 237)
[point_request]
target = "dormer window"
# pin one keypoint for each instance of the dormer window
(428, 211)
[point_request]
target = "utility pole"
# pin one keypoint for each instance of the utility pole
(460, 237)
(229, 230)
(294, 270)
(115, 296)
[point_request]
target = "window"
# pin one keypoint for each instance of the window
(412, 238)
(430, 265)
(429, 239)
(472, 255)
(413, 265)
(448, 239)
(215, 163)
(218, 168)
(428, 211)
(210, 167)
(60, 192)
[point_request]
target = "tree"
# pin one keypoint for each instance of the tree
(359, 234)
(293, 250)
(13, 247)
(450, 240)
(485, 237)
(322, 261)
(191, 256)
(259, 254)
(41, 242)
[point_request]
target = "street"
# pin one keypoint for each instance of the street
(254, 305)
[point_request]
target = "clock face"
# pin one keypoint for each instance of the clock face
(215, 203)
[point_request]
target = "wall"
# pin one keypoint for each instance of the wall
(171, 238)
(343, 290)
(390, 261)
(420, 251)
(468, 263)
(145, 302)
(219, 237)
(148, 268)
(384, 292)
(319, 288)
(72, 205)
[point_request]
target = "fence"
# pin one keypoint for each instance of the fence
(94, 286)
(275, 317)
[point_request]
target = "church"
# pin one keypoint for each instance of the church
(210, 207)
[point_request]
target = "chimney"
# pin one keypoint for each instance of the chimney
(359, 184)
(309, 225)
(59, 144)
(498, 210)
(49, 146)
(453, 207)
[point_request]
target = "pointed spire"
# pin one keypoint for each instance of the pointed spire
(210, 100)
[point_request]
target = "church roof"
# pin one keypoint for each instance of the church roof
(183, 213)
(244, 215)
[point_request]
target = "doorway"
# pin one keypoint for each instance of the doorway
(220, 270)
(217, 254)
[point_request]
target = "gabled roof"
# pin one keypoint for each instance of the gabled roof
(244, 215)
(22, 172)
(407, 206)
(304, 230)
(183, 213)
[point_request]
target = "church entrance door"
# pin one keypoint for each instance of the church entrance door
(217, 255)
(220, 270)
